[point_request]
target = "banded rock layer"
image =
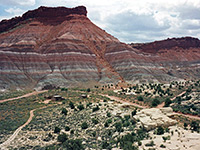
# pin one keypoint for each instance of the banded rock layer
(61, 46)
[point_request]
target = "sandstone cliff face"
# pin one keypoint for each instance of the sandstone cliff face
(62, 46)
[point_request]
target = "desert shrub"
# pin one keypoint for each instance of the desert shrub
(95, 121)
(94, 133)
(67, 128)
(140, 98)
(72, 132)
(109, 121)
(167, 102)
(160, 130)
(108, 114)
(118, 126)
(84, 125)
(95, 109)
(57, 130)
(150, 144)
(126, 117)
(165, 138)
(62, 138)
(88, 104)
(139, 143)
(71, 105)
(106, 145)
(162, 146)
(185, 125)
(106, 124)
(141, 134)
(126, 142)
(155, 102)
(80, 107)
(194, 126)
(133, 113)
(64, 89)
(88, 90)
(126, 123)
(73, 144)
(64, 111)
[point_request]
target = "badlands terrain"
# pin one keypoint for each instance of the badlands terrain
(62, 46)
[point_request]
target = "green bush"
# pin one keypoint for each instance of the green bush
(155, 102)
(126, 117)
(108, 114)
(80, 107)
(62, 138)
(73, 145)
(194, 126)
(162, 146)
(72, 132)
(160, 130)
(167, 102)
(126, 142)
(88, 90)
(71, 105)
(106, 124)
(95, 121)
(140, 98)
(150, 144)
(134, 112)
(118, 126)
(84, 125)
(57, 130)
(64, 89)
(95, 109)
(106, 145)
(64, 111)
(67, 128)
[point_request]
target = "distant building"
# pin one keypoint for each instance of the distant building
(58, 98)
(84, 96)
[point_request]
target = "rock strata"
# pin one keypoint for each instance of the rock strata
(62, 47)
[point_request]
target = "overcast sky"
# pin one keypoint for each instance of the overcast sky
(127, 20)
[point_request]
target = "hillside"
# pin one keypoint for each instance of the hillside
(61, 46)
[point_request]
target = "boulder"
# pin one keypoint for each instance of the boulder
(154, 117)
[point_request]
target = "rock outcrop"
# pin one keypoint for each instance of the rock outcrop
(154, 117)
(61, 46)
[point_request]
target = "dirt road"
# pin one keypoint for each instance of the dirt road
(137, 105)
(163, 103)
(13, 136)
(124, 101)
(26, 95)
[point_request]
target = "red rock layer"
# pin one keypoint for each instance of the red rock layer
(66, 48)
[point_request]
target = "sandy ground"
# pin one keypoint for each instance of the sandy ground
(181, 139)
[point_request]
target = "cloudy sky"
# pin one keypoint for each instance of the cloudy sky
(128, 20)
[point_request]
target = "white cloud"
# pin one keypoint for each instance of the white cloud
(15, 11)
(18, 2)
